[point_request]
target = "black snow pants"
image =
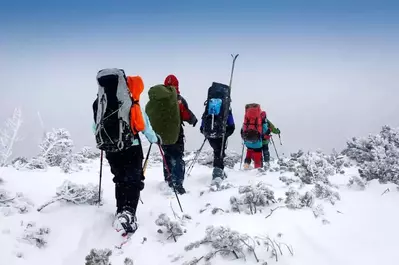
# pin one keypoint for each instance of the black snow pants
(126, 166)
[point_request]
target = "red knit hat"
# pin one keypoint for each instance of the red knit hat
(171, 80)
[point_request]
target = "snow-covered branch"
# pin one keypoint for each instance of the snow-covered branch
(9, 136)
(74, 193)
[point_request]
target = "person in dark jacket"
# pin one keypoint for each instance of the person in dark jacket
(126, 166)
(216, 144)
(174, 153)
(266, 138)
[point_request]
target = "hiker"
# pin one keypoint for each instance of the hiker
(167, 111)
(266, 138)
(252, 134)
(214, 125)
(118, 119)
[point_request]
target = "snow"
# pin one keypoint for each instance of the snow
(360, 228)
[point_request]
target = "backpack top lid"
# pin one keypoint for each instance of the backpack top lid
(111, 71)
(252, 105)
(162, 92)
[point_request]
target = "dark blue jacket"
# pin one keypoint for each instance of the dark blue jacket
(230, 125)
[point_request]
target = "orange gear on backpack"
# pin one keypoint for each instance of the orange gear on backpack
(136, 87)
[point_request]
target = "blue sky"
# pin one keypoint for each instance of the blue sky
(201, 18)
(324, 70)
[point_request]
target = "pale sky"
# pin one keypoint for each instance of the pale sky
(321, 76)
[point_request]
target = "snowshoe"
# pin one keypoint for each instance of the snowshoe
(126, 223)
(218, 173)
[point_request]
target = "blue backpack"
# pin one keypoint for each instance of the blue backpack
(216, 111)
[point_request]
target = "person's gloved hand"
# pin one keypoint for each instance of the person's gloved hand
(278, 131)
(195, 122)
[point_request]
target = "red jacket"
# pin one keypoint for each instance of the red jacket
(185, 113)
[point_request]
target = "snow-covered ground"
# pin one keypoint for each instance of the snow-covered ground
(360, 228)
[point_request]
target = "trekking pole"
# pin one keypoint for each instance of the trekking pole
(169, 175)
(145, 165)
(190, 168)
(279, 136)
(242, 155)
(275, 149)
(226, 111)
(146, 159)
(101, 176)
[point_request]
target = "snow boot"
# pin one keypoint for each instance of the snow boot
(266, 165)
(127, 221)
(218, 173)
(180, 189)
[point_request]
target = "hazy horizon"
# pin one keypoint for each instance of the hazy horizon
(324, 72)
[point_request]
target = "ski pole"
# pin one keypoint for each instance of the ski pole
(242, 155)
(101, 176)
(145, 166)
(275, 149)
(169, 175)
(279, 136)
(190, 168)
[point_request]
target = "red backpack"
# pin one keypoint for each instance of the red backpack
(252, 126)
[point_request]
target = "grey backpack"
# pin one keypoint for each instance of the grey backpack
(112, 111)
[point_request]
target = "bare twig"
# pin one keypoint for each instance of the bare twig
(172, 234)
(8, 200)
(48, 203)
(272, 210)
(387, 190)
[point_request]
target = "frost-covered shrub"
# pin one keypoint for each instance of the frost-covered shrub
(75, 194)
(10, 204)
(289, 181)
(313, 167)
(252, 197)
(218, 185)
(128, 261)
(357, 183)
(36, 236)
(36, 163)
(98, 257)
(223, 241)
(19, 162)
(173, 228)
(296, 201)
(84, 156)
(338, 161)
(70, 164)
(214, 210)
(326, 192)
(56, 146)
(89, 153)
(376, 155)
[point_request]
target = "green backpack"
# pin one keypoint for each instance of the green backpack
(164, 113)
